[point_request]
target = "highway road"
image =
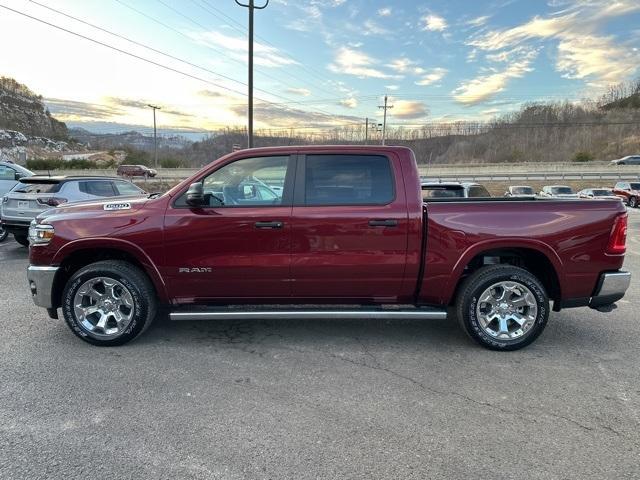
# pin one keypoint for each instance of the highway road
(315, 399)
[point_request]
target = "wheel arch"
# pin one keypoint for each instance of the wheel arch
(537, 258)
(80, 253)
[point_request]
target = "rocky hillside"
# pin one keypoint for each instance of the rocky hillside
(23, 111)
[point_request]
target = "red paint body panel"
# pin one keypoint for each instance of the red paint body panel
(572, 234)
(330, 254)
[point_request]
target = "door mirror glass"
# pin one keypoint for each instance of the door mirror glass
(195, 195)
(19, 175)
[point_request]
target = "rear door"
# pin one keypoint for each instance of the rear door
(239, 245)
(349, 228)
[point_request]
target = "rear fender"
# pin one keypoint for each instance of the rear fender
(504, 243)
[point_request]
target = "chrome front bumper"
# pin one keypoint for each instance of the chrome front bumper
(611, 287)
(41, 285)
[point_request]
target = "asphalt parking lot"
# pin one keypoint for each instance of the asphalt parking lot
(318, 399)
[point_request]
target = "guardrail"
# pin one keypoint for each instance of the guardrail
(446, 173)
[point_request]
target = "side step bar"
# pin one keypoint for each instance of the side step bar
(315, 314)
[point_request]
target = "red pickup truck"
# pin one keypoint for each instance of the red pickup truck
(316, 232)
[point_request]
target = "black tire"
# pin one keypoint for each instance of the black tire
(3, 234)
(633, 202)
(477, 283)
(21, 239)
(138, 285)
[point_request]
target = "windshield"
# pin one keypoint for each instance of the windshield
(522, 190)
(635, 186)
(47, 187)
(561, 191)
(602, 193)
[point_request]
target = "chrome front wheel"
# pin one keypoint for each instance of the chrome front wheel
(109, 303)
(104, 307)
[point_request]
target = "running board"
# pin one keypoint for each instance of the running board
(235, 313)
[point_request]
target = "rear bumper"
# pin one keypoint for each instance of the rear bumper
(41, 285)
(610, 288)
(15, 226)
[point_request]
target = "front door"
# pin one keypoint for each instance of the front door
(350, 229)
(238, 245)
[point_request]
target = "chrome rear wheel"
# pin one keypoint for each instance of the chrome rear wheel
(507, 310)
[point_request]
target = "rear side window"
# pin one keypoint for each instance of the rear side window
(348, 180)
(126, 188)
(48, 187)
(7, 173)
(478, 191)
(98, 188)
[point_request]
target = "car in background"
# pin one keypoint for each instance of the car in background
(520, 191)
(10, 174)
(629, 192)
(33, 195)
(628, 160)
(453, 190)
(136, 171)
(598, 194)
(557, 191)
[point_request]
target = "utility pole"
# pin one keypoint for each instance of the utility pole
(155, 135)
(385, 107)
(366, 131)
(251, 6)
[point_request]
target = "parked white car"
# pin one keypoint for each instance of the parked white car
(36, 194)
(558, 191)
(520, 191)
(602, 193)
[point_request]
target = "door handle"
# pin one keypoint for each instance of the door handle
(269, 225)
(383, 223)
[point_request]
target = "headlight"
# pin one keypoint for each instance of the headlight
(40, 234)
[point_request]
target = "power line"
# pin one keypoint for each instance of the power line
(207, 8)
(152, 62)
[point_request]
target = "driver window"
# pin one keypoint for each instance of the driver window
(248, 182)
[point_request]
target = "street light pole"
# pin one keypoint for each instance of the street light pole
(251, 6)
(155, 135)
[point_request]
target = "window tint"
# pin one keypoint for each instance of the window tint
(245, 183)
(7, 173)
(442, 192)
(635, 186)
(478, 191)
(126, 188)
(98, 188)
(348, 180)
(45, 187)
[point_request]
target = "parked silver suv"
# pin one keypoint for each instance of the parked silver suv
(10, 174)
(34, 195)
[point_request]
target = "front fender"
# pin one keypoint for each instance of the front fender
(125, 246)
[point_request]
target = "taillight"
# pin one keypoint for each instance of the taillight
(618, 238)
(52, 201)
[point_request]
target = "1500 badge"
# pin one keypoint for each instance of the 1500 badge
(117, 206)
(194, 270)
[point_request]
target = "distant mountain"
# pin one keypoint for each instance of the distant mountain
(23, 111)
(126, 139)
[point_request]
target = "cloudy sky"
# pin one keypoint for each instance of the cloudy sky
(319, 63)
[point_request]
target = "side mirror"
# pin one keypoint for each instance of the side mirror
(19, 176)
(195, 195)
